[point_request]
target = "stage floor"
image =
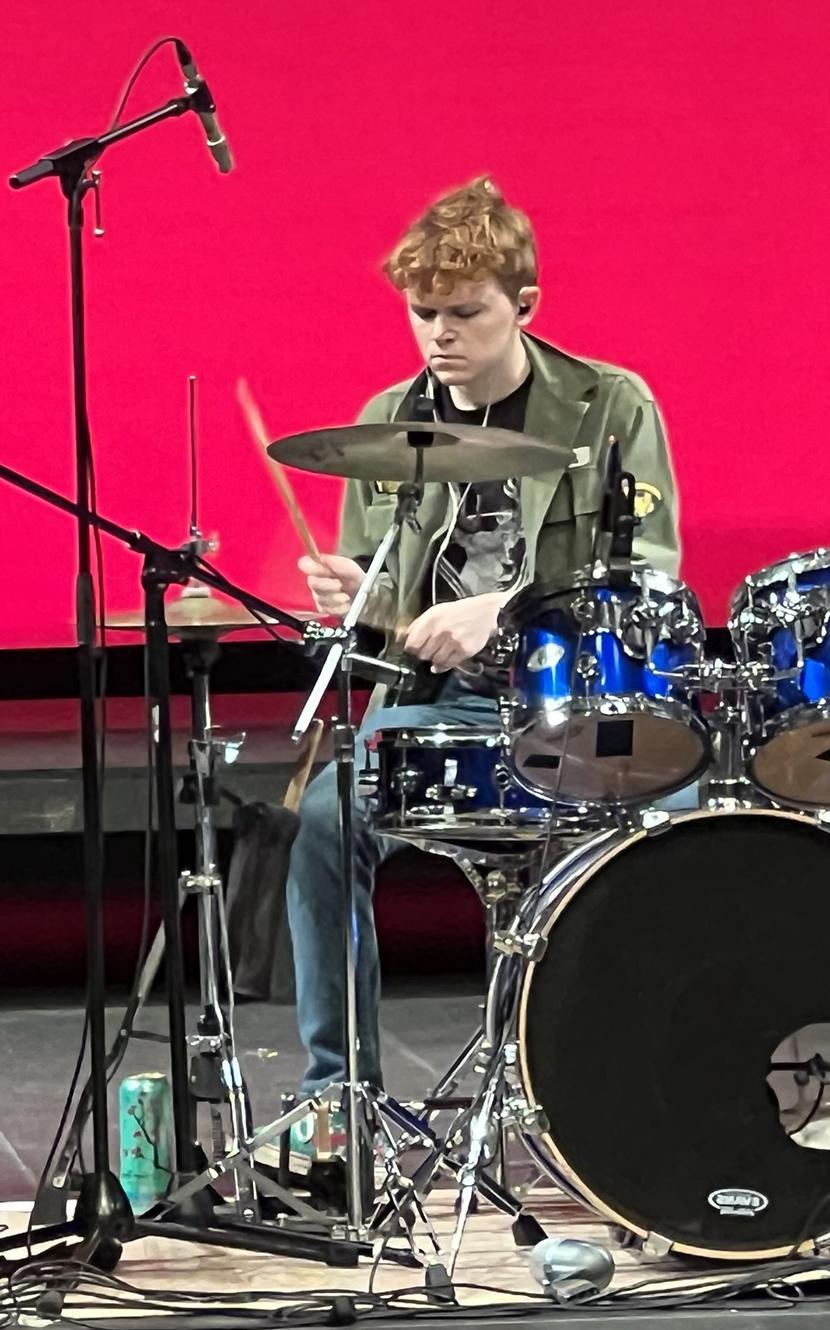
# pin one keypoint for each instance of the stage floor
(424, 1025)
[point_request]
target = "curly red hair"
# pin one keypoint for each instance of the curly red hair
(468, 235)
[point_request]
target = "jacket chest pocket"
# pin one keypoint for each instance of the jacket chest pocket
(578, 494)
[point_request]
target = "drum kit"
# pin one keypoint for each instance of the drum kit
(647, 824)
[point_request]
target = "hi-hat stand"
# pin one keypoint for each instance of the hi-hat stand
(191, 1215)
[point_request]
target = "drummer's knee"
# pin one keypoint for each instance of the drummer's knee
(318, 810)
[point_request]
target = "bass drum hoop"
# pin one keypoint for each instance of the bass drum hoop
(578, 873)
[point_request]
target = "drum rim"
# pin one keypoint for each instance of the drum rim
(654, 579)
(572, 1178)
(799, 716)
(664, 708)
(419, 735)
(772, 574)
(475, 829)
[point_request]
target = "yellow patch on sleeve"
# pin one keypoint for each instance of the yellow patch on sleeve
(647, 498)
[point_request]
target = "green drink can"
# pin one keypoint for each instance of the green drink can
(145, 1124)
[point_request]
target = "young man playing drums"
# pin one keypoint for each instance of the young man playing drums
(467, 272)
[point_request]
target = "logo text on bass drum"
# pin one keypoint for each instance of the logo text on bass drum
(738, 1201)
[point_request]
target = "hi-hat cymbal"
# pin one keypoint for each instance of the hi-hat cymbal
(382, 452)
(198, 616)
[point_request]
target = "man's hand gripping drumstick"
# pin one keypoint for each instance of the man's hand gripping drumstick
(445, 635)
(332, 579)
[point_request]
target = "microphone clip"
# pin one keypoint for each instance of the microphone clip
(199, 94)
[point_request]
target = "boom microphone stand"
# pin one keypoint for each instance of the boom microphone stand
(103, 1217)
(103, 1206)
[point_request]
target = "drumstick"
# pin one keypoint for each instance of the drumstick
(257, 427)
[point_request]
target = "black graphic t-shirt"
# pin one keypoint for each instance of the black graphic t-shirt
(486, 549)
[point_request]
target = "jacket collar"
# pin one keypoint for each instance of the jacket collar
(560, 393)
(562, 390)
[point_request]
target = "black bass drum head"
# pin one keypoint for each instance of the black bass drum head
(675, 966)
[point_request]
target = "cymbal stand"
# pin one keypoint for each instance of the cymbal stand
(338, 662)
(357, 1096)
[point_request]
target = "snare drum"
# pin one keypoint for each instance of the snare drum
(779, 623)
(448, 782)
(602, 708)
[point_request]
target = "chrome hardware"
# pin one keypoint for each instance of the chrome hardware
(405, 780)
(656, 1245)
(455, 794)
(503, 646)
(587, 668)
(586, 612)
(367, 782)
(530, 1118)
(501, 885)
(501, 777)
(95, 181)
(198, 884)
(314, 632)
(530, 946)
(683, 624)
(227, 750)
(654, 821)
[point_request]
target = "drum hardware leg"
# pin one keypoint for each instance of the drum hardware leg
(403, 1192)
(481, 1126)
(454, 1075)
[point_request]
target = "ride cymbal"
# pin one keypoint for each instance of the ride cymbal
(382, 452)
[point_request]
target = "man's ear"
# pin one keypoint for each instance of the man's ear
(527, 304)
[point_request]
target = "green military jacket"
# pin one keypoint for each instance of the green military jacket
(578, 403)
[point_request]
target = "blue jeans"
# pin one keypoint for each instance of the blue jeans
(316, 901)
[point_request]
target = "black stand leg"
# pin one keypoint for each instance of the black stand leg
(103, 1215)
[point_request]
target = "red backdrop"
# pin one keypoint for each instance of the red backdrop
(673, 156)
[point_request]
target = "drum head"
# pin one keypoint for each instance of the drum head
(675, 967)
(793, 765)
(640, 752)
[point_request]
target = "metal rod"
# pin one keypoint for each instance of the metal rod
(194, 470)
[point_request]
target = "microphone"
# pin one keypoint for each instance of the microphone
(205, 108)
(569, 1269)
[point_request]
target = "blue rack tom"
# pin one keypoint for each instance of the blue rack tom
(779, 624)
(603, 708)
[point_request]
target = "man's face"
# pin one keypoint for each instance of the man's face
(466, 333)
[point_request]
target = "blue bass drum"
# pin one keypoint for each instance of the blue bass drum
(779, 624)
(602, 709)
